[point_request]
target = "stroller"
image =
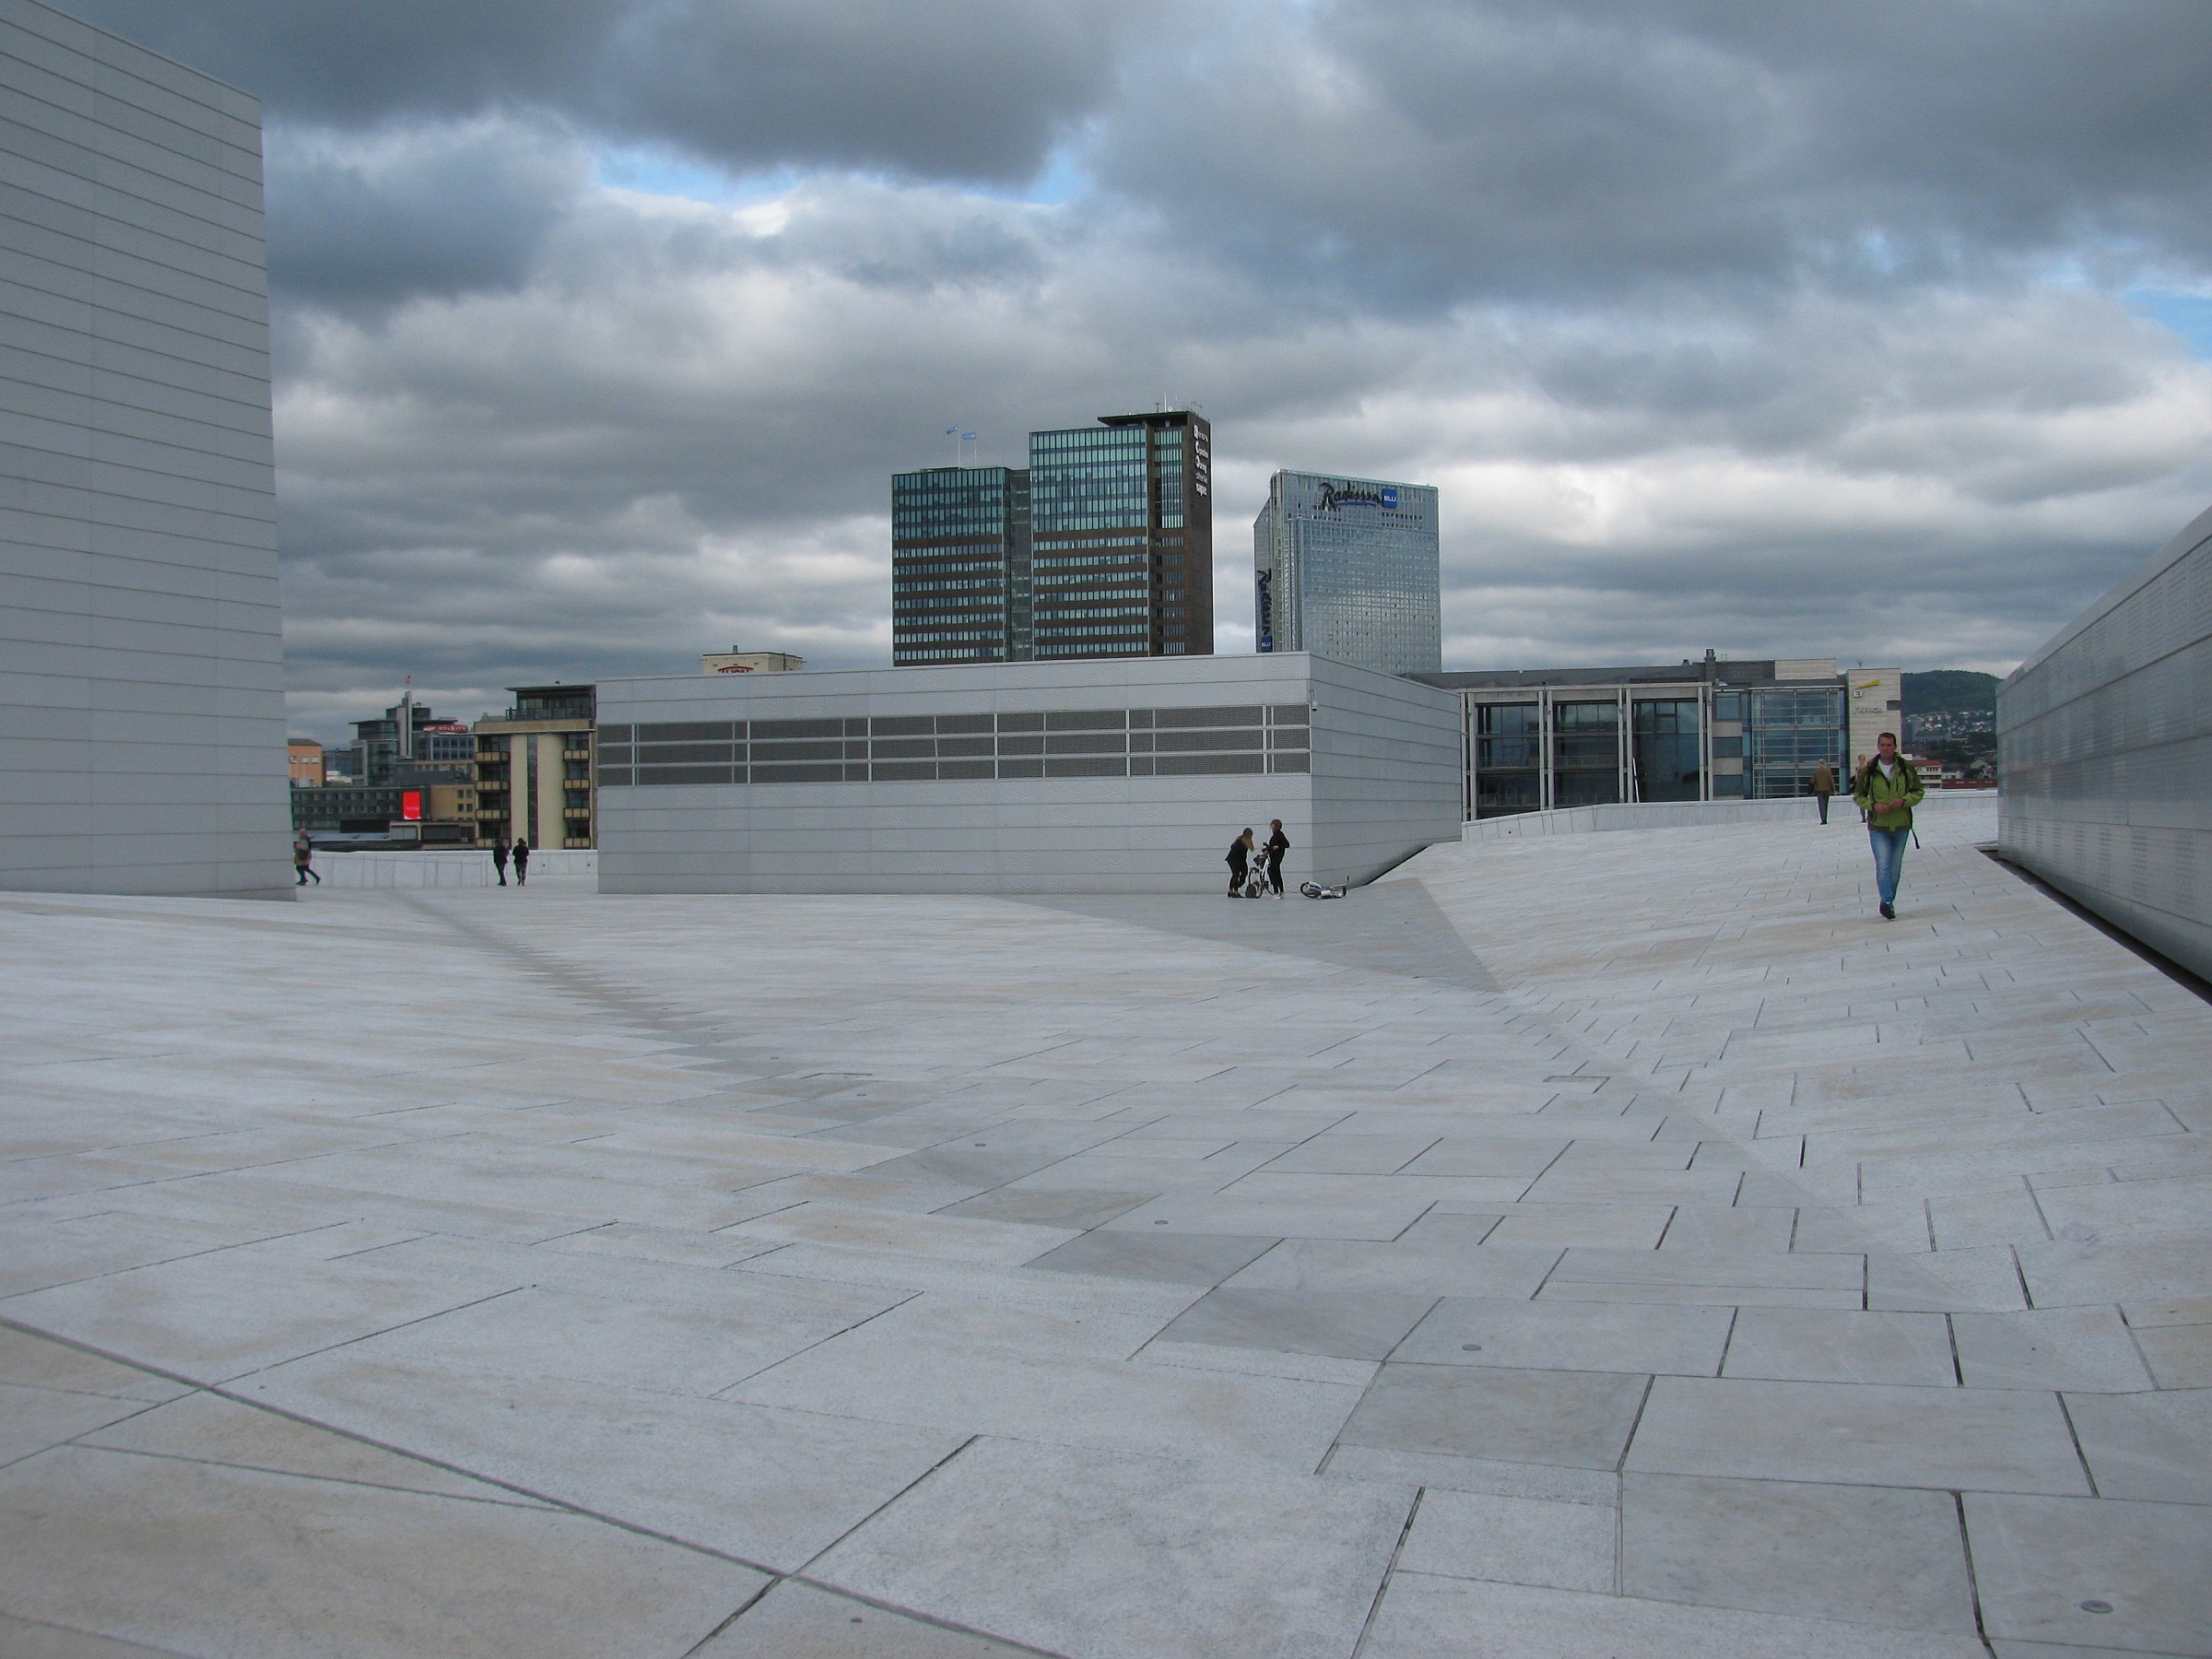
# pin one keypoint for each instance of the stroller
(1255, 878)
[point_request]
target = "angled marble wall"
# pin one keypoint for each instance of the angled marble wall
(141, 675)
(2105, 745)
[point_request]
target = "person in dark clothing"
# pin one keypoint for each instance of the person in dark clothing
(498, 857)
(1824, 785)
(303, 859)
(1278, 844)
(1240, 864)
(522, 862)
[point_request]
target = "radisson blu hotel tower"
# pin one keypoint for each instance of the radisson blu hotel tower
(1347, 569)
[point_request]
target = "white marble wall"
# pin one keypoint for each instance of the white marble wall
(2105, 739)
(1385, 783)
(141, 673)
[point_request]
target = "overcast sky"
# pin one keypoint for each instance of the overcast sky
(1879, 329)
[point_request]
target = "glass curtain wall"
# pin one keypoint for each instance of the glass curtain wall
(1667, 763)
(1508, 764)
(1585, 754)
(1789, 734)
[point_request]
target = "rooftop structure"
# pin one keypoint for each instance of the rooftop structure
(1036, 777)
(750, 662)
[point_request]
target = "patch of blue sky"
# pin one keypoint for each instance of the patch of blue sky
(1063, 179)
(2187, 314)
(652, 170)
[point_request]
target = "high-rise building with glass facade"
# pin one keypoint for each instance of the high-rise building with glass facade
(960, 565)
(1103, 547)
(1124, 538)
(1347, 569)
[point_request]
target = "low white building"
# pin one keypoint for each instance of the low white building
(1086, 776)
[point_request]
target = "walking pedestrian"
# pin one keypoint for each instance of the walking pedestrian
(498, 857)
(1278, 844)
(1887, 789)
(522, 862)
(1240, 864)
(303, 859)
(1824, 785)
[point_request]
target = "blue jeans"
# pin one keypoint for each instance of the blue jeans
(1888, 860)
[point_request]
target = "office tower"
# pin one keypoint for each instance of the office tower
(1124, 538)
(143, 706)
(960, 565)
(408, 735)
(1347, 569)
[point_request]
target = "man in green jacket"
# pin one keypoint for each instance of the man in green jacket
(1887, 789)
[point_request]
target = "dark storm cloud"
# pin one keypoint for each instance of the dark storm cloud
(979, 90)
(1416, 152)
(414, 211)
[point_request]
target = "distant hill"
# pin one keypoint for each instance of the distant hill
(1951, 691)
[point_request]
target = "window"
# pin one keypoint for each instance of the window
(1666, 751)
(1506, 775)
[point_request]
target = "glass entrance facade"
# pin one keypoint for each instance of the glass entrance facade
(1721, 729)
(1585, 754)
(1789, 734)
(1508, 773)
(1668, 746)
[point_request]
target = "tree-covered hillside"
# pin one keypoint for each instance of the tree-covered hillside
(1951, 691)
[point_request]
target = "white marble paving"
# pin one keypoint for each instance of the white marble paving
(1603, 1244)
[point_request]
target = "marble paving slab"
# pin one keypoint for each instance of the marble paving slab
(1575, 1246)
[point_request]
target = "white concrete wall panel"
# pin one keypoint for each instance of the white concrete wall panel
(141, 671)
(1389, 784)
(2105, 739)
(1388, 771)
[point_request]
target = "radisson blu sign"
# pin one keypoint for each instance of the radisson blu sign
(1354, 495)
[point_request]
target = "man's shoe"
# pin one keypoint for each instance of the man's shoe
(1889, 912)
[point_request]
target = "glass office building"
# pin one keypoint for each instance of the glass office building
(1103, 547)
(1712, 731)
(1347, 569)
(960, 565)
(1122, 523)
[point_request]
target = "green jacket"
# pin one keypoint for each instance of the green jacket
(1888, 802)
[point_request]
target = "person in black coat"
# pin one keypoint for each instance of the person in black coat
(498, 858)
(1278, 844)
(1240, 863)
(522, 862)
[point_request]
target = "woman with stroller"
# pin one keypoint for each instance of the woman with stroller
(1240, 864)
